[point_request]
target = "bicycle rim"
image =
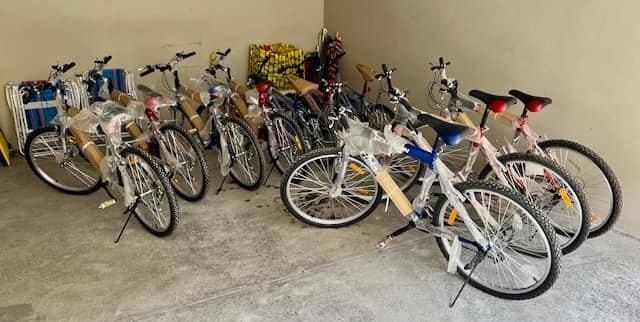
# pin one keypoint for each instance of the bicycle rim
(552, 194)
(520, 259)
(154, 208)
(188, 171)
(289, 143)
(590, 179)
(70, 172)
(245, 166)
(307, 190)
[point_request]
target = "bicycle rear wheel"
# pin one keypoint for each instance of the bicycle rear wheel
(305, 187)
(247, 159)
(157, 208)
(553, 190)
(524, 259)
(595, 177)
(190, 173)
(67, 171)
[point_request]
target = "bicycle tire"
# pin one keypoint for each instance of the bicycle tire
(614, 184)
(40, 173)
(583, 230)
(330, 153)
(298, 145)
(253, 141)
(200, 162)
(530, 209)
(165, 184)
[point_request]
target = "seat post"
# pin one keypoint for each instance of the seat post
(364, 93)
(485, 118)
(524, 112)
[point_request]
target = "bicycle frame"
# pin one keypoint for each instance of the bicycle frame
(415, 211)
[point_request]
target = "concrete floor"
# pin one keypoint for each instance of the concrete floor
(239, 256)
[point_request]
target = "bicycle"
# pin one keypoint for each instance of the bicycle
(284, 138)
(472, 221)
(181, 155)
(596, 177)
(207, 112)
(143, 181)
(545, 183)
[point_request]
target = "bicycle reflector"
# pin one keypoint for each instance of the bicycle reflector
(498, 106)
(534, 106)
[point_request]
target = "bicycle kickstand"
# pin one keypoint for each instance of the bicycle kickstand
(266, 178)
(131, 209)
(386, 240)
(221, 184)
(480, 255)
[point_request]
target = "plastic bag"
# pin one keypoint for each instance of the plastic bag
(359, 138)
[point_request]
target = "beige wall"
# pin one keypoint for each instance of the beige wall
(584, 54)
(35, 34)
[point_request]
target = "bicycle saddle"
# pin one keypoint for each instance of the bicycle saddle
(368, 74)
(496, 103)
(301, 85)
(532, 103)
(450, 132)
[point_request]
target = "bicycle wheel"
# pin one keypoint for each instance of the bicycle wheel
(455, 157)
(524, 259)
(304, 189)
(595, 177)
(247, 159)
(553, 190)
(189, 171)
(157, 208)
(67, 171)
(288, 138)
(379, 116)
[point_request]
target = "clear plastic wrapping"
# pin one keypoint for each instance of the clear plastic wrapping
(359, 138)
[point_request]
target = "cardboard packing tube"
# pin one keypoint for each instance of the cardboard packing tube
(190, 111)
(132, 127)
(85, 144)
(120, 97)
(238, 88)
(394, 192)
(193, 95)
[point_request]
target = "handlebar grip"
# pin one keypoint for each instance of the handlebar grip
(68, 66)
(187, 55)
(147, 72)
(106, 59)
(226, 52)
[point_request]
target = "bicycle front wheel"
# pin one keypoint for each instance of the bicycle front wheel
(305, 190)
(288, 140)
(553, 190)
(247, 159)
(524, 259)
(188, 166)
(595, 177)
(66, 170)
(157, 208)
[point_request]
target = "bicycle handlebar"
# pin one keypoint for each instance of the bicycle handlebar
(441, 64)
(68, 66)
(226, 52)
(185, 56)
(103, 61)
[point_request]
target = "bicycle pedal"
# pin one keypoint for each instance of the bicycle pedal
(107, 204)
